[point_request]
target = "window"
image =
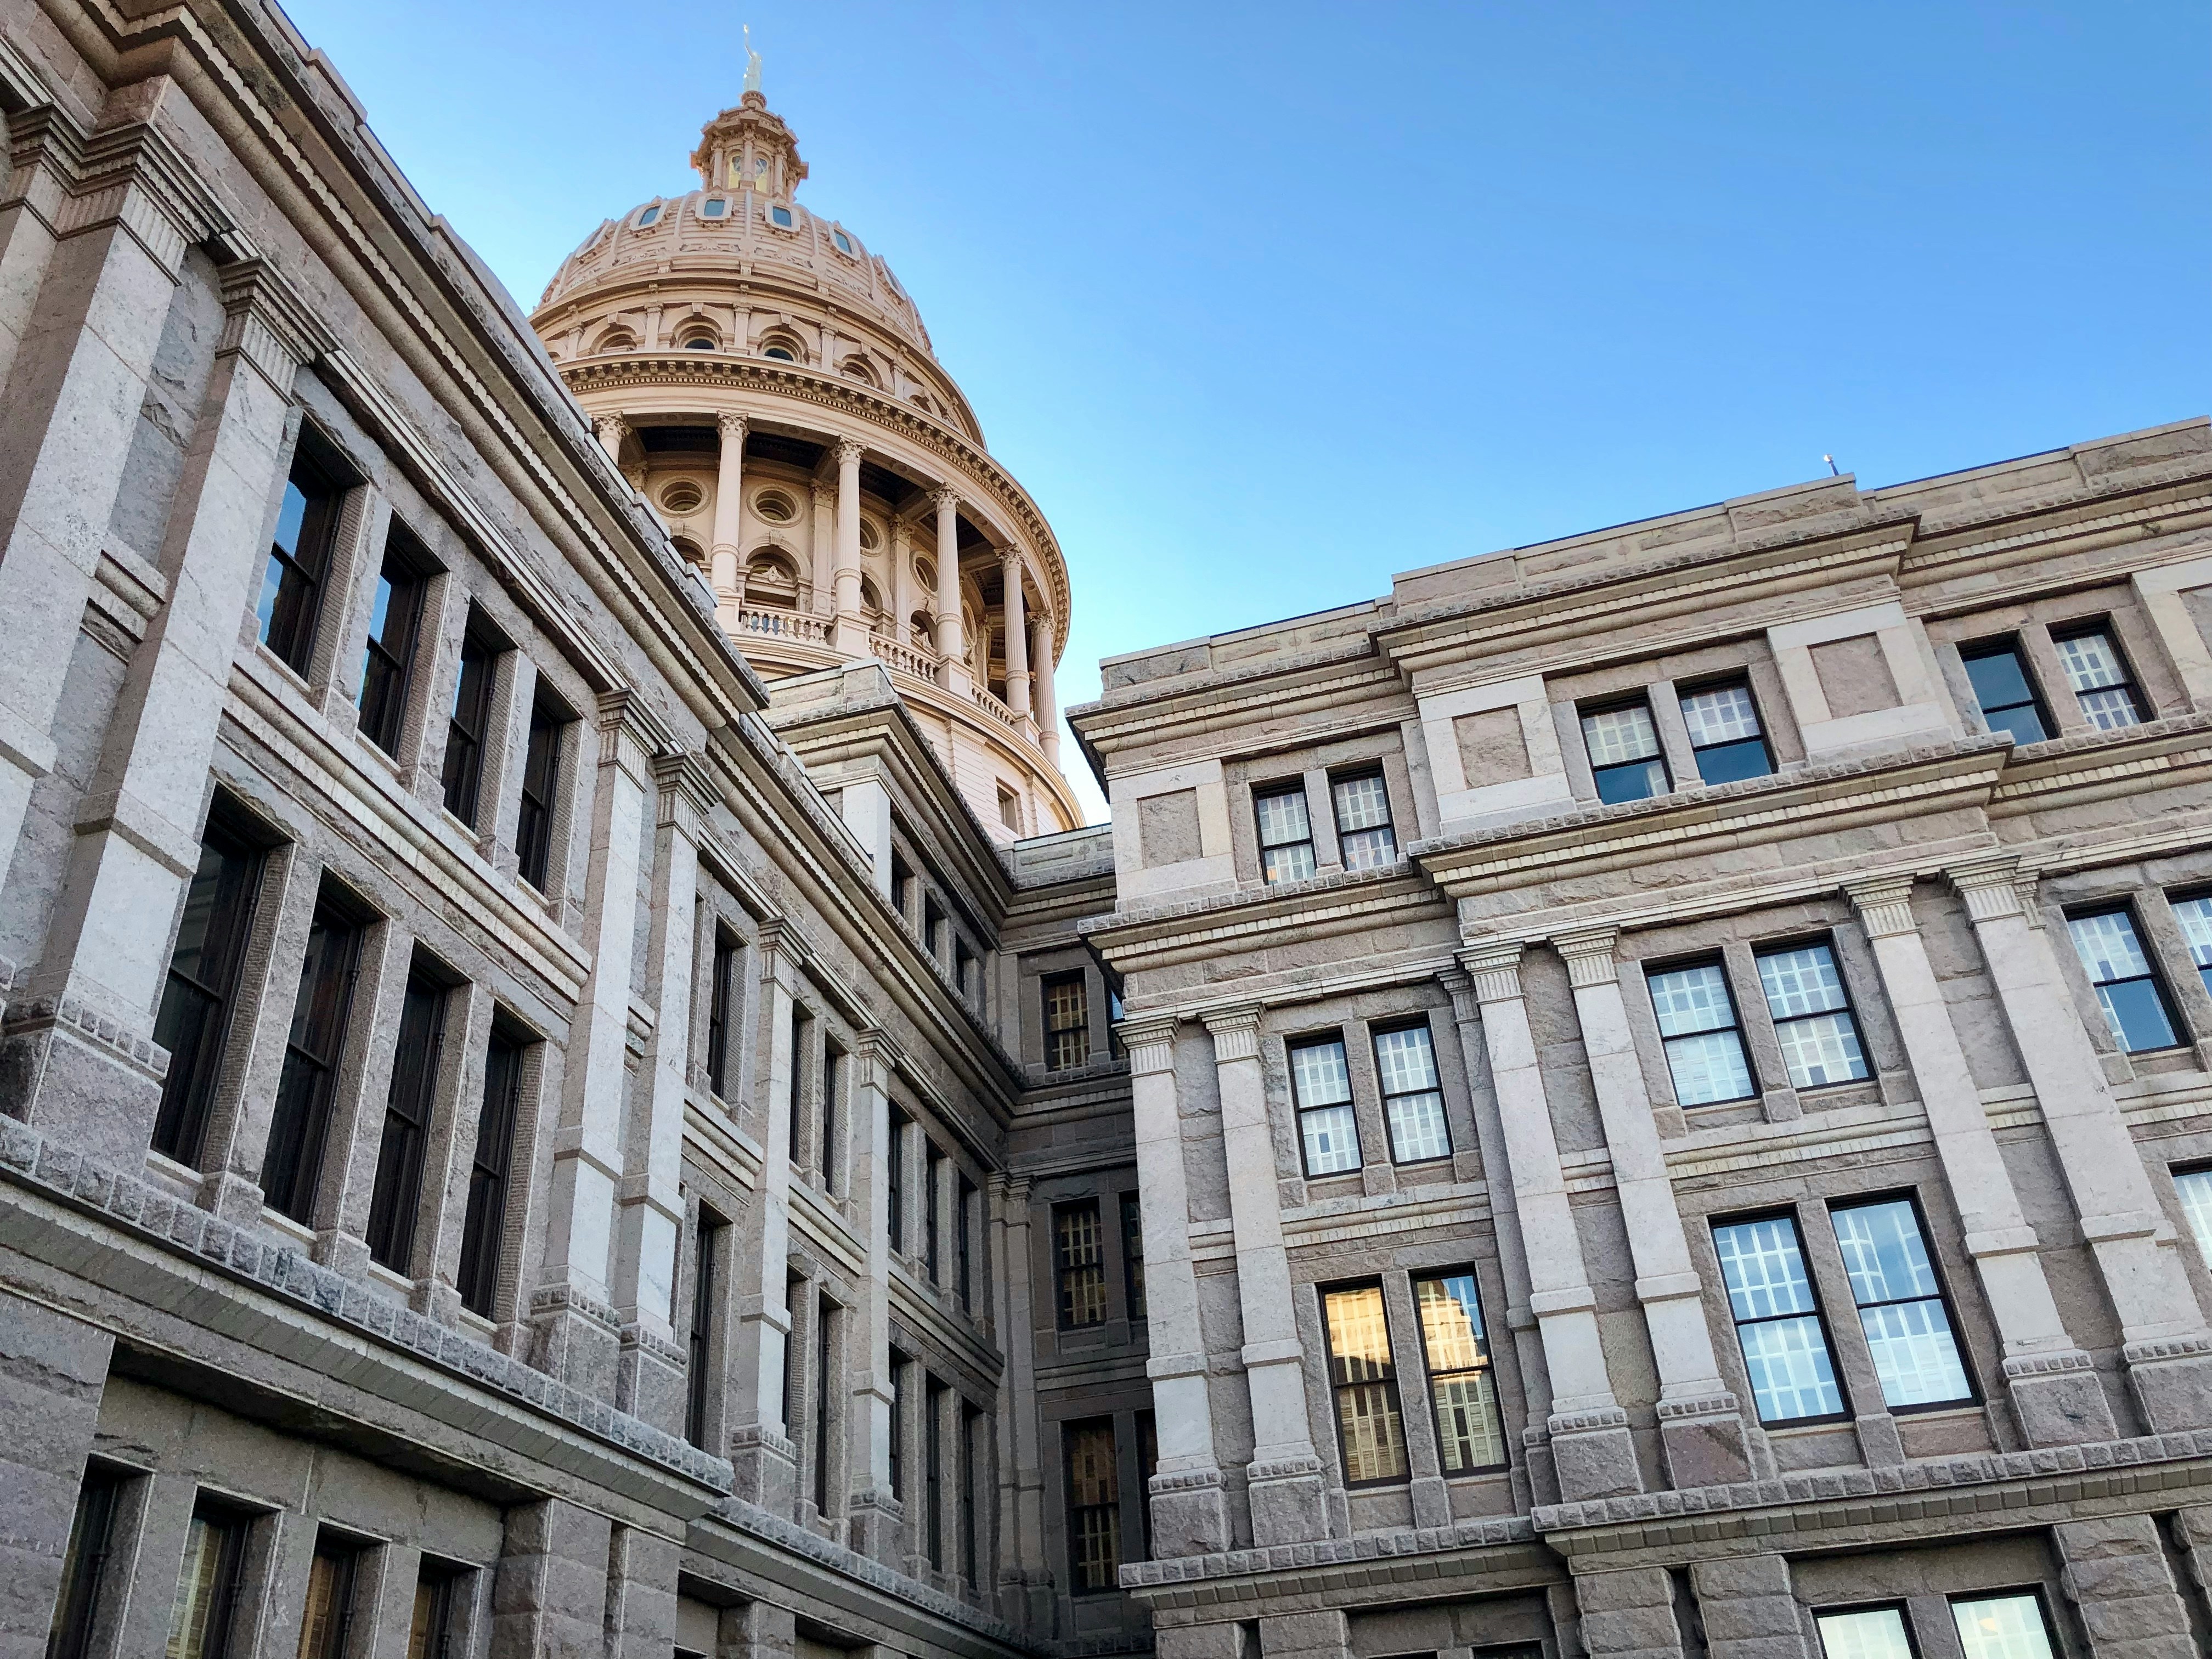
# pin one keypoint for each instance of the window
(292, 1168)
(650, 216)
(933, 1164)
(1623, 753)
(902, 884)
(825, 1411)
(1462, 1391)
(84, 1565)
(196, 1002)
(2099, 675)
(1900, 1303)
(698, 343)
(1412, 1102)
(2002, 688)
(483, 1231)
(299, 557)
(933, 928)
(468, 727)
(932, 1473)
(802, 1028)
(1009, 809)
(963, 966)
(398, 1195)
(541, 779)
(894, 1208)
(1812, 1016)
(1725, 734)
(705, 1237)
(327, 1619)
(713, 208)
(2011, 1626)
(207, 1584)
(2195, 1188)
(1698, 1028)
(1067, 1022)
(430, 1632)
(1148, 1465)
(781, 354)
(1777, 1321)
(782, 216)
(720, 993)
(2127, 988)
(971, 1482)
(387, 660)
(833, 1064)
(899, 1363)
(963, 1215)
(1864, 1633)
(1286, 851)
(1370, 1431)
(1094, 1506)
(844, 243)
(1365, 837)
(1320, 1088)
(1133, 1254)
(2195, 915)
(1079, 1264)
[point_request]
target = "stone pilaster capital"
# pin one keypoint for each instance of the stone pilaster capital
(944, 498)
(1588, 953)
(610, 429)
(1235, 1033)
(1150, 1040)
(267, 323)
(731, 425)
(1991, 886)
(873, 1043)
(1461, 990)
(1884, 904)
(624, 715)
(824, 491)
(849, 450)
(686, 790)
(1495, 968)
(132, 176)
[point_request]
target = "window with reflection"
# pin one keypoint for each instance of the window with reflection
(1369, 1431)
(387, 657)
(291, 603)
(1998, 673)
(1623, 753)
(1094, 1506)
(1412, 1100)
(1078, 1260)
(1462, 1391)
(1067, 1022)
(1320, 1091)
(1812, 1015)
(1365, 838)
(292, 1166)
(1901, 1305)
(2014, 1624)
(2195, 915)
(1777, 1321)
(2099, 675)
(1286, 852)
(1725, 734)
(1864, 1633)
(206, 1604)
(2126, 984)
(1701, 1034)
(194, 1021)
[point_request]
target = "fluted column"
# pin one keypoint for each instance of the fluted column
(610, 430)
(951, 626)
(1047, 708)
(1017, 632)
(726, 562)
(851, 632)
(822, 548)
(1189, 1511)
(2166, 1345)
(2055, 1395)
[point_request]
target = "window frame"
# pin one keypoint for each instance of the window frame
(187, 1104)
(1741, 679)
(386, 725)
(461, 771)
(1415, 1280)
(721, 972)
(1075, 1026)
(317, 1105)
(1850, 1010)
(395, 1205)
(2186, 1169)
(539, 795)
(932, 1160)
(1337, 1388)
(1110, 1509)
(77, 1601)
(1379, 775)
(2191, 895)
(964, 1193)
(1585, 713)
(1064, 1270)
(2034, 1593)
(1973, 651)
(699, 1340)
(306, 579)
(1911, 1198)
(1282, 789)
(1131, 1207)
(2129, 683)
(1819, 1314)
(2177, 1028)
(233, 1524)
(1681, 964)
(1902, 1609)
(1299, 1110)
(483, 1224)
(1393, 1028)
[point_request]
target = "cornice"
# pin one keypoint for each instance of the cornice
(1250, 918)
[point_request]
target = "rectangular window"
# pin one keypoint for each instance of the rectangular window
(387, 660)
(898, 1363)
(1812, 1015)
(207, 1584)
(2011, 1625)
(1365, 838)
(901, 885)
(1699, 1029)
(1461, 1390)
(1725, 734)
(721, 997)
(1094, 1505)
(483, 1231)
(932, 1474)
(932, 1254)
(894, 1179)
(291, 602)
(2195, 915)
(541, 779)
(963, 966)
(194, 1021)
(1133, 1254)
(1320, 1088)
(1777, 1321)
(469, 726)
(833, 1062)
(1148, 1465)
(1900, 1303)
(825, 1410)
(1864, 1633)
(2127, 986)
(430, 1632)
(85, 1565)
(1286, 851)
(933, 928)
(396, 1198)
(802, 1031)
(1412, 1098)
(964, 1217)
(1067, 1022)
(1623, 753)
(705, 1239)
(327, 1619)
(292, 1168)
(971, 1487)
(1370, 1433)
(2099, 674)
(1999, 675)
(1079, 1264)
(2195, 1188)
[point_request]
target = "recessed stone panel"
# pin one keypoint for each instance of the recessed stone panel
(1167, 828)
(1492, 748)
(1855, 676)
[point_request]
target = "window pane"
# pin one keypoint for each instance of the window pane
(1079, 1250)
(1332, 1140)
(1369, 849)
(2136, 1015)
(1294, 863)
(1998, 680)
(2196, 1190)
(1690, 999)
(1801, 982)
(1417, 1127)
(1621, 734)
(1790, 1376)
(1637, 781)
(1373, 1435)
(1732, 763)
(1366, 1398)
(2025, 724)
(1914, 1354)
(1451, 1323)
(1884, 1253)
(1358, 1337)
(1875, 1633)
(2090, 661)
(2108, 947)
(2195, 916)
(2001, 1627)
(2108, 711)
(1469, 1431)
(1318, 1074)
(1821, 1050)
(1708, 1068)
(1283, 818)
(1762, 1268)
(1361, 803)
(1723, 714)
(1406, 1060)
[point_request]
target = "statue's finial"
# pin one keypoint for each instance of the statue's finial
(752, 62)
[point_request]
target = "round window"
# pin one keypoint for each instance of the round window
(680, 498)
(774, 505)
(870, 537)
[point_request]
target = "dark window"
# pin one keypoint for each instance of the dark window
(901, 884)
(1132, 1253)
(395, 620)
(802, 1030)
(971, 1483)
(1701, 1034)
(196, 1002)
(932, 1473)
(929, 1199)
(2004, 1624)
(1148, 1465)
(1901, 1304)
(719, 996)
(1462, 1392)
(396, 1198)
(704, 1238)
(327, 1620)
(894, 1181)
(1725, 734)
(470, 724)
(825, 1413)
(899, 1363)
(299, 559)
(1321, 1089)
(1286, 852)
(85, 1564)
(1623, 753)
(1365, 838)
(484, 1229)
(1067, 1022)
(1094, 1505)
(1079, 1264)
(963, 1252)
(2002, 686)
(933, 928)
(2099, 674)
(1777, 1321)
(206, 1605)
(963, 966)
(541, 777)
(1413, 1096)
(1370, 1432)
(1812, 1015)
(292, 1168)
(833, 1060)
(2113, 956)
(430, 1634)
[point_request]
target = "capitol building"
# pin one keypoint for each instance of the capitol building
(573, 1081)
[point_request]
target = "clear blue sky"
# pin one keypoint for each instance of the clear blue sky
(1266, 302)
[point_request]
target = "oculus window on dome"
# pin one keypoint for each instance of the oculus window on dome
(782, 216)
(713, 208)
(650, 216)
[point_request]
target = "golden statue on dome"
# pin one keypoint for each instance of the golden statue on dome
(752, 62)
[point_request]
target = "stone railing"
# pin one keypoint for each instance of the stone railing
(906, 658)
(790, 624)
(991, 706)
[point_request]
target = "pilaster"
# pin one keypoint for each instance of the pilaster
(875, 1513)
(761, 1449)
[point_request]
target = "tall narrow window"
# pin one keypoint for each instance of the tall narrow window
(327, 1619)
(1999, 675)
(2099, 674)
(833, 1062)
(1286, 852)
(933, 927)
(541, 779)
(1461, 1390)
(705, 1238)
(430, 1632)
(902, 886)
(484, 1228)
(1698, 1028)
(2195, 1190)
(1370, 1431)
(1366, 839)
(2195, 915)
(1725, 734)
(825, 1407)
(894, 1181)
(292, 1168)
(932, 1473)
(469, 726)
(1133, 1254)
(206, 1606)
(1079, 1264)
(1623, 753)
(1900, 1303)
(1412, 1100)
(1320, 1088)
(899, 1363)
(85, 1565)
(1812, 1015)
(396, 1198)
(291, 602)
(1094, 1505)
(196, 1003)
(2012, 1624)
(721, 992)
(1148, 1465)
(1777, 1321)
(1067, 1022)
(964, 1217)
(387, 660)
(971, 1487)
(1864, 1633)
(802, 1032)
(963, 966)
(932, 1199)
(2127, 986)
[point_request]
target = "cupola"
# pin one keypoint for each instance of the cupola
(749, 148)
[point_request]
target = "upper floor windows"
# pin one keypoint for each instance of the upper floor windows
(714, 207)
(1777, 1321)
(2195, 915)
(1623, 753)
(1094, 1506)
(1286, 849)
(194, 1021)
(468, 728)
(1366, 837)
(1701, 1034)
(2126, 983)
(1370, 1426)
(1812, 1015)
(1067, 1022)
(1320, 1092)
(387, 660)
(844, 243)
(780, 217)
(1725, 735)
(1462, 1391)
(1901, 1306)
(1079, 1264)
(541, 772)
(1413, 1097)
(292, 578)
(649, 218)
(2099, 676)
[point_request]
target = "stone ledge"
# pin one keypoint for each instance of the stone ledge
(1330, 1552)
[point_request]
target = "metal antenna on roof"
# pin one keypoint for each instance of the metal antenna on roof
(1834, 472)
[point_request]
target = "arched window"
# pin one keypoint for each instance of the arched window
(844, 242)
(871, 600)
(689, 550)
(870, 537)
(783, 347)
(856, 369)
(697, 339)
(617, 339)
(772, 579)
(921, 627)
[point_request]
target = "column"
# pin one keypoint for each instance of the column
(875, 1513)
(1628, 1614)
(2056, 1397)
(1017, 632)
(550, 1592)
(2118, 1576)
(1591, 1450)
(137, 829)
(1284, 1474)
(612, 429)
(822, 548)
(1046, 709)
(2166, 1348)
(761, 1451)
(1190, 1515)
(852, 635)
(1025, 1581)
(1701, 1424)
(951, 624)
(1749, 1609)
(726, 562)
(56, 1370)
